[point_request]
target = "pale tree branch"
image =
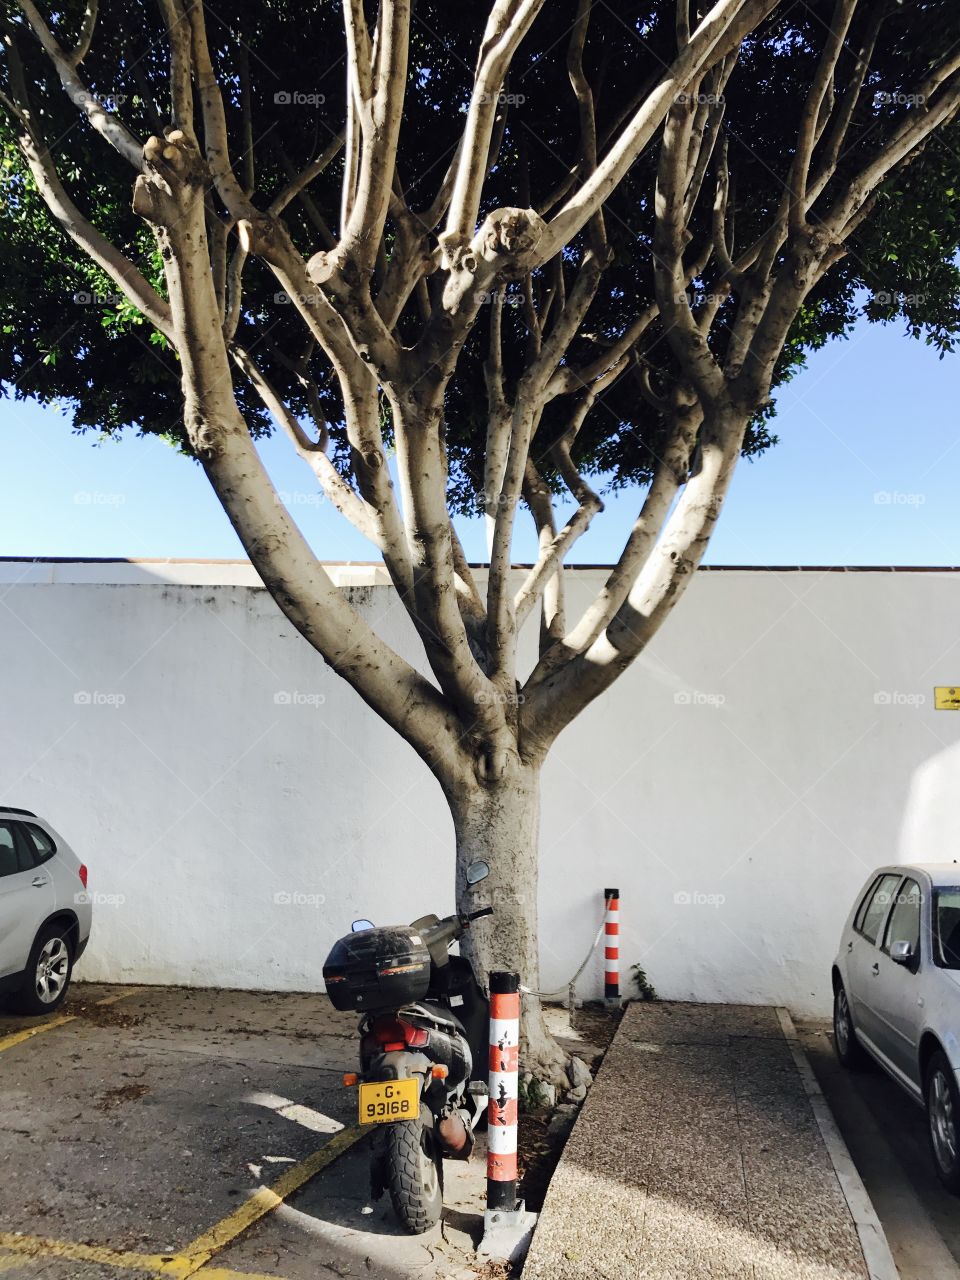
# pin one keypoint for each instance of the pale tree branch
(85, 38)
(720, 32)
(335, 488)
(180, 41)
(549, 582)
(380, 126)
(105, 123)
(841, 120)
(508, 23)
(290, 571)
(810, 118)
(299, 181)
(84, 234)
(553, 699)
(670, 474)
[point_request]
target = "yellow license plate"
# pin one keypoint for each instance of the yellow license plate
(389, 1100)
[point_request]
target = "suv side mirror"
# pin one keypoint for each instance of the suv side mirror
(901, 953)
(476, 872)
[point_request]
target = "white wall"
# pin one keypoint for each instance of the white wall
(757, 760)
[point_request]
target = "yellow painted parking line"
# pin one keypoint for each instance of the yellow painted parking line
(224, 1273)
(122, 995)
(18, 1037)
(192, 1260)
(263, 1201)
(27, 1033)
(38, 1247)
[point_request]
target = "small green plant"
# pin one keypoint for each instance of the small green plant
(530, 1095)
(641, 982)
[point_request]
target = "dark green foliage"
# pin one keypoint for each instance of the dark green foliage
(105, 361)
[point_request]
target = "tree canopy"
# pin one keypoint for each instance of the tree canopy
(69, 335)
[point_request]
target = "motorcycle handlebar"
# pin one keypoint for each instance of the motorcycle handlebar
(450, 928)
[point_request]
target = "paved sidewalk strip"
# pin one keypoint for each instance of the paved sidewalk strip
(697, 1156)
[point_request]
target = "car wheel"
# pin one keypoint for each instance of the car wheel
(48, 972)
(847, 1047)
(943, 1120)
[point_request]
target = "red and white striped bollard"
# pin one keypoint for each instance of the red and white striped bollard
(611, 951)
(503, 1083)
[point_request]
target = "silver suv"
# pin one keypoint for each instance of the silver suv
(896, 994)
(45, 912)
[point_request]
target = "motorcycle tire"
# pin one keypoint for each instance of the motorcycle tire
(414, 1169)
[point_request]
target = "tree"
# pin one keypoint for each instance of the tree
(499, 251)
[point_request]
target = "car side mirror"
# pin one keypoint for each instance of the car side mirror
(901, 953)
(476, 872)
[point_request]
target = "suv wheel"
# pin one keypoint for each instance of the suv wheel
(943, 1120)
(48, 972)
(845, 1043)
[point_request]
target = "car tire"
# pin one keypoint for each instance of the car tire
(850, 1053)
(943, 1119)
(48, 972)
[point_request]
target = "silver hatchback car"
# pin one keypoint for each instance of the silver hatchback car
(896, 994)
(45, 912)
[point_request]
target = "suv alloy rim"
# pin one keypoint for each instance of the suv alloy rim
(52, 965)
(943, 1121)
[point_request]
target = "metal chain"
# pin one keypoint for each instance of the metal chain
(568, 988)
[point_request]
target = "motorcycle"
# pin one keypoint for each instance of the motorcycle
(423, 1050)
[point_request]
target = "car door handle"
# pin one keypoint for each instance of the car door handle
(850, 945)
(39, 881)
(875, 968)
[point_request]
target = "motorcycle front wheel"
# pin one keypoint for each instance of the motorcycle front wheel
(414, 1168)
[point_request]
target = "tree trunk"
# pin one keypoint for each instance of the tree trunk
(498, 823)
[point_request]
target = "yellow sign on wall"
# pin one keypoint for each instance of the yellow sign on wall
(947, 698)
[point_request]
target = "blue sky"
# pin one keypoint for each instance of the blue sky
(865, 473)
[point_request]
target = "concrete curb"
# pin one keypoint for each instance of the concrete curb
(873, 1241)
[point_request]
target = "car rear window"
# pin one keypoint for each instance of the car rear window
(873, 913)
(947, 928)
(40, 842)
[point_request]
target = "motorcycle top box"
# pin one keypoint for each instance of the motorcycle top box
(377, 969)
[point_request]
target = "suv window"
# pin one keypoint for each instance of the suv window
(9, 864)
(904, 923)
(872, 915)
(39, 843)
